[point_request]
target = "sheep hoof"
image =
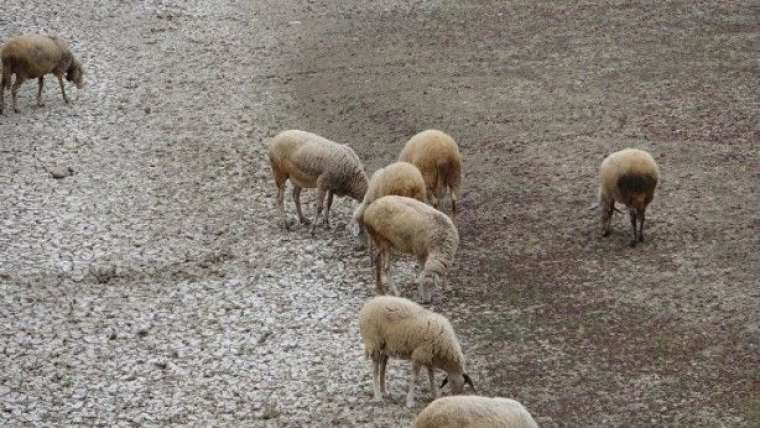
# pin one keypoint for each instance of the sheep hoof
(605, 233)
(633, 243)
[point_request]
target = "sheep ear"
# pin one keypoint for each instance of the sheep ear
(445, 380)
(468, 381)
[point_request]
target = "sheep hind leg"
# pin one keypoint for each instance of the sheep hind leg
(63, 90)
(414, 374)
(642, 216)
(383, 365)
(14, 91)
(40, 84)
(379, 273)
(297, 201)
(376, 378)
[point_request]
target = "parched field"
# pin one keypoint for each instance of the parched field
(154, 285)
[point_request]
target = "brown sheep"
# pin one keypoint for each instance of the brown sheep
(437, 157)
(311, 161)
(33, 56)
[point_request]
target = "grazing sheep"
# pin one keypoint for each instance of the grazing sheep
(437, 156)
(629, 177)
(471, 411)
(398, 178)
(399, 328)
(33, 56)
(412, 227)
(308, 160)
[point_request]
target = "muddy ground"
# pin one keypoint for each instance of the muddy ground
(154, 286)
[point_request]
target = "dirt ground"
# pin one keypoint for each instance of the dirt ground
(154, 286)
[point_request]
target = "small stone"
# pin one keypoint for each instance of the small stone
(61, 172)
(147, 110)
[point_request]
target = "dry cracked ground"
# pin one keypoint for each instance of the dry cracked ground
(153, 285)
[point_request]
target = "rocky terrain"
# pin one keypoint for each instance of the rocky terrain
(153, 286)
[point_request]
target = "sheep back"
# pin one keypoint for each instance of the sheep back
(629, 176)
(411, 226)
(400, 328)
(307, 157)
(437, 157)
(469, 411)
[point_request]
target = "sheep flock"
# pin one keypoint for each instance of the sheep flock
(400, 212)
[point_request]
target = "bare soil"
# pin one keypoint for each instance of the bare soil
(154, 286)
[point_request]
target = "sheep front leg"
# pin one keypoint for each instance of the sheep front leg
(40, 83)
(387, 270)
(433, 386)
(14, 90)
(63, 90)
(606, 208)
(320, 206)
(642, 216)
(414, 374)
(632, 215)
(297, 201)
(326, 221)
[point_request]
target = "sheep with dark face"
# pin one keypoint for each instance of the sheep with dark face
(394, 327)
(311, 161)
(33, 56)
(630, 177)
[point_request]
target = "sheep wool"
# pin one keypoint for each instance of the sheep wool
(630, 177)
(398, 178)
(437, 157)
(470, 411)
(311, 161)
(412, 227)
(394, 327)
(33, 56)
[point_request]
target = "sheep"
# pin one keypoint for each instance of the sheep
(629, 177)
(471, 411)
(398, 178)
(311, 161)
(399, 328)
(33, 56)
(412, 227)
(437, 156)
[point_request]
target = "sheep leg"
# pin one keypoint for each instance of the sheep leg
(297, 200)
(376, 378)
(320, 206)
(281, 203)
(433, 386)
(63, 90)
(642, 216)
(326, 221)
(379, 272)
(39, 91)
(606, 208)
(412, 383)
(383, 364)
(387, 270)
(632, 215)
(14, 90)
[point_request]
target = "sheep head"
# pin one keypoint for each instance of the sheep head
(457, 382)
(75, 74)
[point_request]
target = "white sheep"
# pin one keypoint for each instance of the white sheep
(311, 161)
(630, 177)
(471, 411)
(394, 327)
(33, 56)
(398, 178)
(413, 227)
(437, 156)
